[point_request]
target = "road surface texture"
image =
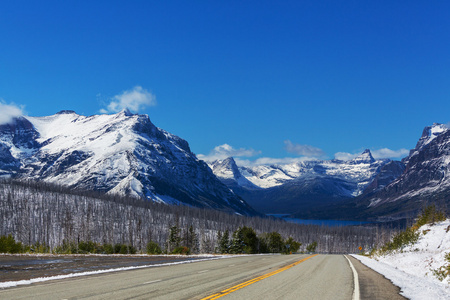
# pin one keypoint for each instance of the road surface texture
(245, 277)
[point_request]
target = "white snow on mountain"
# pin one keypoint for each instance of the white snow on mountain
(360, 170)
(121, 153)
(427, 168)
(412, 268)
(428, 135)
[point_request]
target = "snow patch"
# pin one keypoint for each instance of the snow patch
(412, 268)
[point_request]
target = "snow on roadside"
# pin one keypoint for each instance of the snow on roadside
(8, 284)
(411, 268)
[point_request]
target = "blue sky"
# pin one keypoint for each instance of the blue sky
(267, 80)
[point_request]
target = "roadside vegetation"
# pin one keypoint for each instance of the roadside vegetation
(444, 271)
(243, 241)
(407, 243)
(410, 235)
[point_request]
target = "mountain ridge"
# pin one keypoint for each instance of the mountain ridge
(299, 186)
(120, 153)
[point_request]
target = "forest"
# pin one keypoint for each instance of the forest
(57, 218)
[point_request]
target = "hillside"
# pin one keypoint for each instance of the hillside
(420, 269)
(121, 153)
(299, 187)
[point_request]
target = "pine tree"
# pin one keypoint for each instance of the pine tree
(174, 239)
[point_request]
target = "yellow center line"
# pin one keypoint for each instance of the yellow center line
(251, 281)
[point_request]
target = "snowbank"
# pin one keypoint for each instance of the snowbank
(412, 268)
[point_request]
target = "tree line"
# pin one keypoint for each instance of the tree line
(63, 220)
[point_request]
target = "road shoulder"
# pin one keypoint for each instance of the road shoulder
(373, 285)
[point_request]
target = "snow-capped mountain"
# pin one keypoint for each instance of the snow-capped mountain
(425, 180)
(427, 171)
(122, 153)
(291, 187)
(359, 171)
(228, 172)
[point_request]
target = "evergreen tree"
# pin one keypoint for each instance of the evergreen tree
(312, 247)
(291, 246)
(174, 239)
(275, 242)
(224, 242)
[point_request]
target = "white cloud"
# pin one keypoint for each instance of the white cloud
(377, 154)
(9, 111)
(345, 155)
(304, 150)
(134, 99)
(388, 153)
(225, 150)
(271, 161)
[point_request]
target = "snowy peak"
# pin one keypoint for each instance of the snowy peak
(364, 158)
(354, 175)
(121, 153)
(226, 168)
(228, 172)
(126, 112)
(430, 133)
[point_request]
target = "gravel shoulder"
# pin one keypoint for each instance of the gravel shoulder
(373, 285)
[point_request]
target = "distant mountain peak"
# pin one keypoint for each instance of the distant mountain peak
(227, 168)
(126, 112)
(365, 157)
(120, 153)
(228, 171)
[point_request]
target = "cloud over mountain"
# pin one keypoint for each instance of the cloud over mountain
(8, 112)
(134, 99)
(225, 150)
(377, 154)
(303, 150)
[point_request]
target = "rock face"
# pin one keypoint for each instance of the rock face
(426, 178)
(296, 187)
(118, 154)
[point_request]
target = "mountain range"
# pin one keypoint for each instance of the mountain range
(291, 188)
(127, 154)
(121, 153)
(362, 188)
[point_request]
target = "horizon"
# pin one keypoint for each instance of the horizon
(269, 82)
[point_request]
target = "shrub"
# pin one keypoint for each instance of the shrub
(153, 248)
(429, 215)
(9, 245)
(108, 249)
(66, 248)
(401, 240)
(444, 271)
(181, 250)
(88, 247)
(311, 247)
(292, 246)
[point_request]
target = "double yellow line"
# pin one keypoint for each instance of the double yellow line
(251, 281)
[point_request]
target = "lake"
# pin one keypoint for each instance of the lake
(331, 223)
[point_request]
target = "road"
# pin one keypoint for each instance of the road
(245, 277)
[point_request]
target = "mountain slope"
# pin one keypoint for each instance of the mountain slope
(120, 153)
(425, 180)
(426, 177)
(304, 185)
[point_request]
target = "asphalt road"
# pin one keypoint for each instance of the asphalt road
(246, 277)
